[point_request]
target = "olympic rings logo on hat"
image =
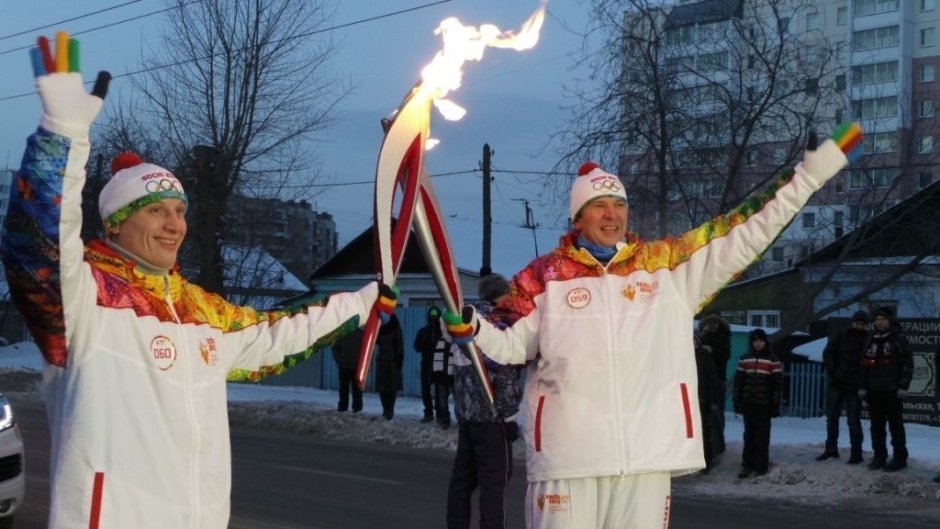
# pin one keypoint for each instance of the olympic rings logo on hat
(607, 185)
(164, 184)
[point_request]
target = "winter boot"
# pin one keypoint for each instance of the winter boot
(856, 458)
(896, 463)
(827, 454)
(876, 463)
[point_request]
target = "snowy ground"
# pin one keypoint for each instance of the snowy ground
(795, 476)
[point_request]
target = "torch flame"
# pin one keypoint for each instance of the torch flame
(462, 43)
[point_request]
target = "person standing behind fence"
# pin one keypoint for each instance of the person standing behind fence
(887, 369)
(758, 385)
(841, 358)
(716, 337)
(708, 399)
(346, 355)
(425, 342)
(388, 362)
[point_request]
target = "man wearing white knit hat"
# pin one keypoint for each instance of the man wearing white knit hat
(136, 356)
(610, 409)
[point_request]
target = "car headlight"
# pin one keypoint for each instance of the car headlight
(6, 414)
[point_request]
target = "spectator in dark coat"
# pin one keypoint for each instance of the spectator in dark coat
(887, 369)
(346, 355)
(758, 385)
(425, 343)
(708, 398)
(842, 358)
(388, 362)
(716, 338)
(486, 432)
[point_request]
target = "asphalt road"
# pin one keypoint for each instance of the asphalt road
(288, 481)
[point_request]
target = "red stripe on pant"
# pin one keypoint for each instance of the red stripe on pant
(687, 409)
(96, 492)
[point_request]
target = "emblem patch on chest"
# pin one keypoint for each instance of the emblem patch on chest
(208, 352)
(640, 291)
(579, 298)
(163, 351)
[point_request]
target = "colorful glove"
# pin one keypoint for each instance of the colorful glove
(826, 161)
(461, 329)
(388, 300)
(67, 109)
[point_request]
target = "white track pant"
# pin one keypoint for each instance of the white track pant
(639, 501)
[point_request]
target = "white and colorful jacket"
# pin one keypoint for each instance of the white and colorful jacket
(136, 362)
(611, 388)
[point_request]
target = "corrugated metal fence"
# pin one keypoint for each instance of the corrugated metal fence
(805, 386)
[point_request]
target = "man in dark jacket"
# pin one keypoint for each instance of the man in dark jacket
(887, 369)
(716, 339)
(709, 397)
(842, 358)
(346, 355)
(486, 432)
(388, 362)
(425, 343)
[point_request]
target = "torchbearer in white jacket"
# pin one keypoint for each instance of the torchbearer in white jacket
(605, 323)
(136, 356)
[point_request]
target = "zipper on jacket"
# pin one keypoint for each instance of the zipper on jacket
(613, 361)
(195, 468)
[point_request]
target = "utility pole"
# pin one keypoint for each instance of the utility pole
(530, 222)
(485, 268)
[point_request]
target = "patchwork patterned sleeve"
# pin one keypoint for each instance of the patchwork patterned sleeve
(42, 247)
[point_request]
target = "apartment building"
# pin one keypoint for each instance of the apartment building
(750, 78)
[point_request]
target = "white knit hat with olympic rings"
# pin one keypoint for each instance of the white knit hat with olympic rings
(593, 182)
(133, 185)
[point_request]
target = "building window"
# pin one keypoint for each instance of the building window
(837, 222)
(927, 36)
(840, 82)
(927, 108)
(926, 73)
(856, 179)
(855, 212)
(879, 107)
(872, 7)
(875, 38)
(763, 318)
(813, 21)
(842, 16)
(928, 5)
(924, 178)
(926, 144)
(839, 115)
(882, 72)
(809, 221)
(880, 142)
(777, 254)
(881, 177)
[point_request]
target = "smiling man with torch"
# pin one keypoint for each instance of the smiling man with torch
(605, 323)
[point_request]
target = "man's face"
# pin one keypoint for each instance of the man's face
(155, 232)
(882, 323)
(860, 325)
(603, 221)
(759, 343)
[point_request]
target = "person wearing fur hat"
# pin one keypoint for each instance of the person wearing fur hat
(136, 356)
(610, 407)
(485, 431)
(758, 389)
(842, 357)
(887, 370)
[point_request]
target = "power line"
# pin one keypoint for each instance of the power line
(280, 41)
(372, 182)
(104, 26)
(60, 22)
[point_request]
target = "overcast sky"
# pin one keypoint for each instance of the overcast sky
(514, 100)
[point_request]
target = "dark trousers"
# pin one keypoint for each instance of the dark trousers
(886, 407)
(720, 416)
(387, 398)
(484, 461)
(427, 380)
(347, 382)
(836, 400)
(442, 385)
(756, 454)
